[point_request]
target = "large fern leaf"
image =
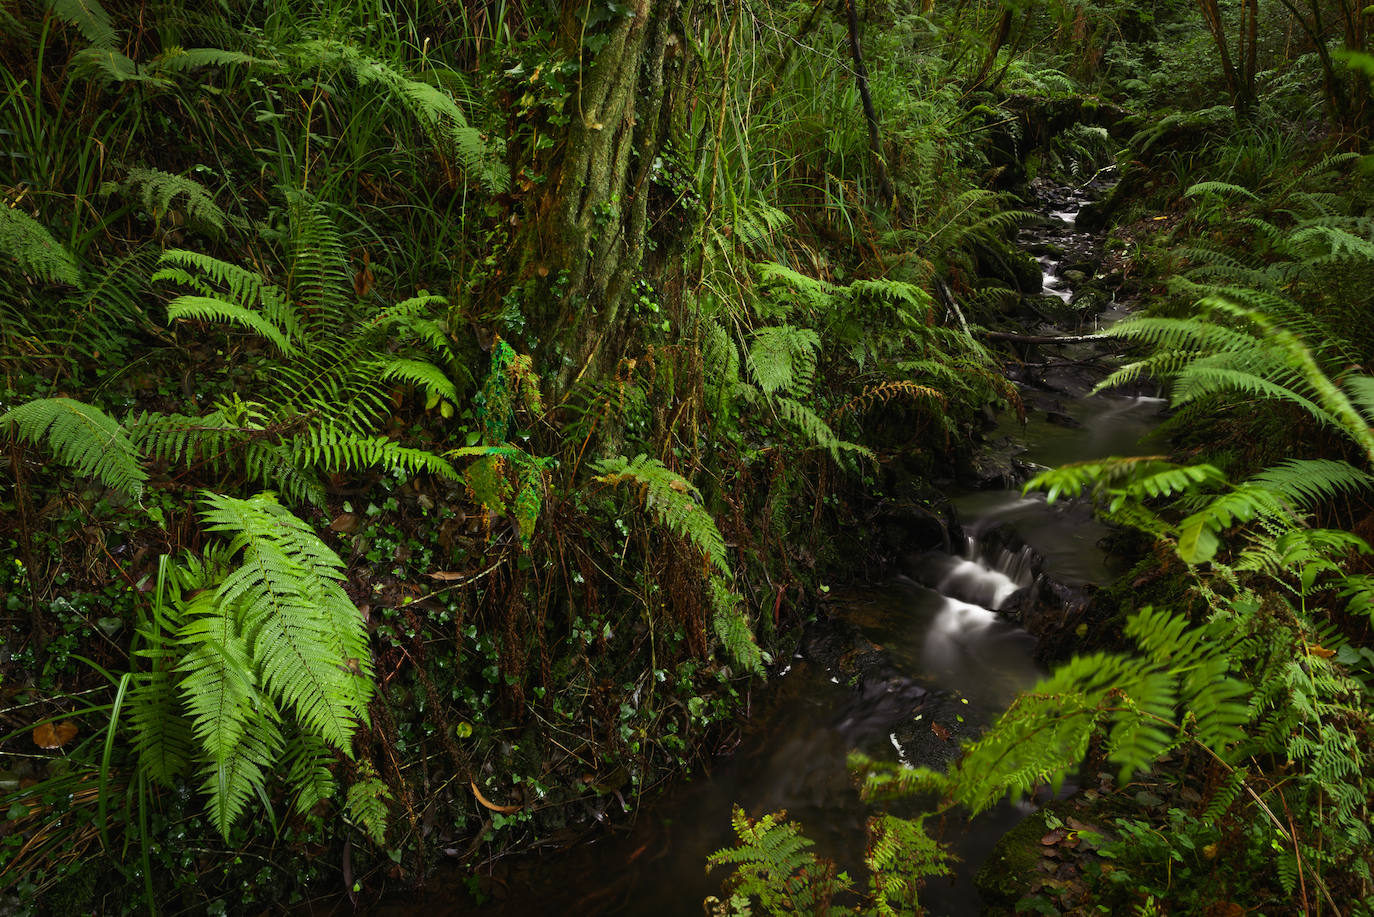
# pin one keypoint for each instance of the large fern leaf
(306, 637)
(29, 242)
(157, 190)
(90, 19)
(672, 499)
(84, 437)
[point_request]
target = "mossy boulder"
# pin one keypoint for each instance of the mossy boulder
(1006, 876)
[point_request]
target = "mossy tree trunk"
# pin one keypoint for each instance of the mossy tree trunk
(584, 239)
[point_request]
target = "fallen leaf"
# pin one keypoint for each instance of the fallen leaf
(1321, 651)
(53, 735)
(448, 576)
(346, 523)
(940, 731)
(504, 810)
(363, 280)
(1054, 837)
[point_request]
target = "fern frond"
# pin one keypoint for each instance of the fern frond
(157, 189)
(782, 358)
(242, 774)
(420, 373)
(308, 759)
(434, 108)
(1220, 189)
(367, 801)
(332, 449)
(243, 288)
(163, 737)
(110, 66)
(1046, 732)
(84, 437)
(29, 242)
(178, 59)
(673, 500)
(773, 863)
(218, 681)
(305, 635)
(810, 293)
(212, 309)
(90, 19)
(318, 273)
(817, 430)
(1307, 482)
(732, 627)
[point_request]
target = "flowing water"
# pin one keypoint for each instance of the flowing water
(951, 663)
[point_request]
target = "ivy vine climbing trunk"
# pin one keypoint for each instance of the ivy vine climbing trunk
(585, 236)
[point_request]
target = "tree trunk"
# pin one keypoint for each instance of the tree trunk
(1211, 14)
(1239, 72)
(875, 139)
(583, 242)
(999, 37)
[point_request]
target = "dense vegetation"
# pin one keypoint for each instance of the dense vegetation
(426, 421)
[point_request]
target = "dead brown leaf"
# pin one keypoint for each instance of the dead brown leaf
(53, 735)
(504, 810)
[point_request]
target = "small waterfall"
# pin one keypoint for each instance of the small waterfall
(981, 576)
(1051, 284)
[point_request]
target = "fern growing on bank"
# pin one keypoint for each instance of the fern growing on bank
(774, 865)
(258, 657)
(334, 366)
(83, 437)
(434, 108)
(90, 19)
(157, 190)
(27, 241)
(675, 503)
(1180, 689)
(1279, 497)
(776, 870)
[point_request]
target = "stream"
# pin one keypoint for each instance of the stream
(942, 663)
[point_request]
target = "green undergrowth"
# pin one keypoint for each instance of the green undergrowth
(1216, 718)
(348, 532)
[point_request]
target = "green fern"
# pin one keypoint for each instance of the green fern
(1129, 700)
(83, 437)
(157, 190)
(732, 626)
(90, 19)
(176, 59)
(38, 253)
(673, 501)
(367, 799)
(1221, 189)
(210, 309)
(782, 358)
(331, 384)
(433, 107)
(1279, 495)
(900, 857)
(774, 865)
(265, 642)
(816, 430)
